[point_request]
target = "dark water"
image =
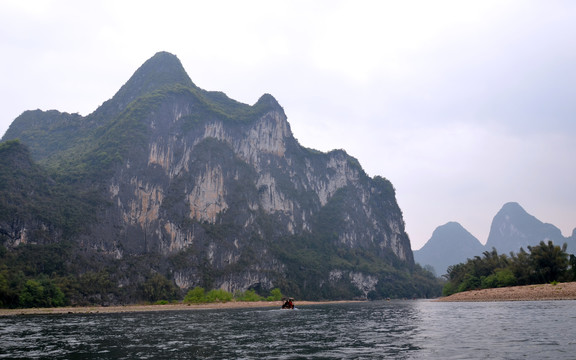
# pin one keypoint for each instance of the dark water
(374, 330)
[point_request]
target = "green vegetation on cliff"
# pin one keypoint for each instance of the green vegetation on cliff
(28, 192)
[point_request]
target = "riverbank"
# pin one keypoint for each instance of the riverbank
(143, 308)
(560, 291)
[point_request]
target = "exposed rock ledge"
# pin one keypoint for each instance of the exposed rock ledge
(561, 291)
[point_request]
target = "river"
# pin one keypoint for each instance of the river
(417, 329)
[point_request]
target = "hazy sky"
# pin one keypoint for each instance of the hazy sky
(463, 105)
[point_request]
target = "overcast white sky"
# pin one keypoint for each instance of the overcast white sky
(463, 105)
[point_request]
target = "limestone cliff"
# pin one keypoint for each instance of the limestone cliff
(223, 193)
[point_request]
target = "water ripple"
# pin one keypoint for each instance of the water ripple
(375, 330)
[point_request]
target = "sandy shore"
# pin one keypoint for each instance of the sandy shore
(561, 291)
(169, 307)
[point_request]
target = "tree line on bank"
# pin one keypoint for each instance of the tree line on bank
(198, 295)
(51, 275)
(543, 263)
(46, 292)
(42, 276)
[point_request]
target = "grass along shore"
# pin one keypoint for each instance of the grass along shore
(560, 291)
(167, 307)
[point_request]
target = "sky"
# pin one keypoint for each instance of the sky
(463, 105)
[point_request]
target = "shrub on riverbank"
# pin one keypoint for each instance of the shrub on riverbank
(198, 295)
(544, 263)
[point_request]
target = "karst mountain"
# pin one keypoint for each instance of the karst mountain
(169, 181)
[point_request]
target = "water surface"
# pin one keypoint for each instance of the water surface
(373, 330)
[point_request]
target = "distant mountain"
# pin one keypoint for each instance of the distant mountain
(512, 228)
(169, 181)
(450, 244)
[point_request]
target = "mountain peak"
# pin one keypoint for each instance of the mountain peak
(513, 227)
(451, 235)
(450, 244)
(512, 207)
(268, 100)
(160, 70)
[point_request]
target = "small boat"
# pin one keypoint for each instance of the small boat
(288, 303)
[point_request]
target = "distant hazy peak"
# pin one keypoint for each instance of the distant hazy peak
(513, 212)
(513, 227)
(512, 207)
(452, 234)
(451, 225)
(450, 244)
